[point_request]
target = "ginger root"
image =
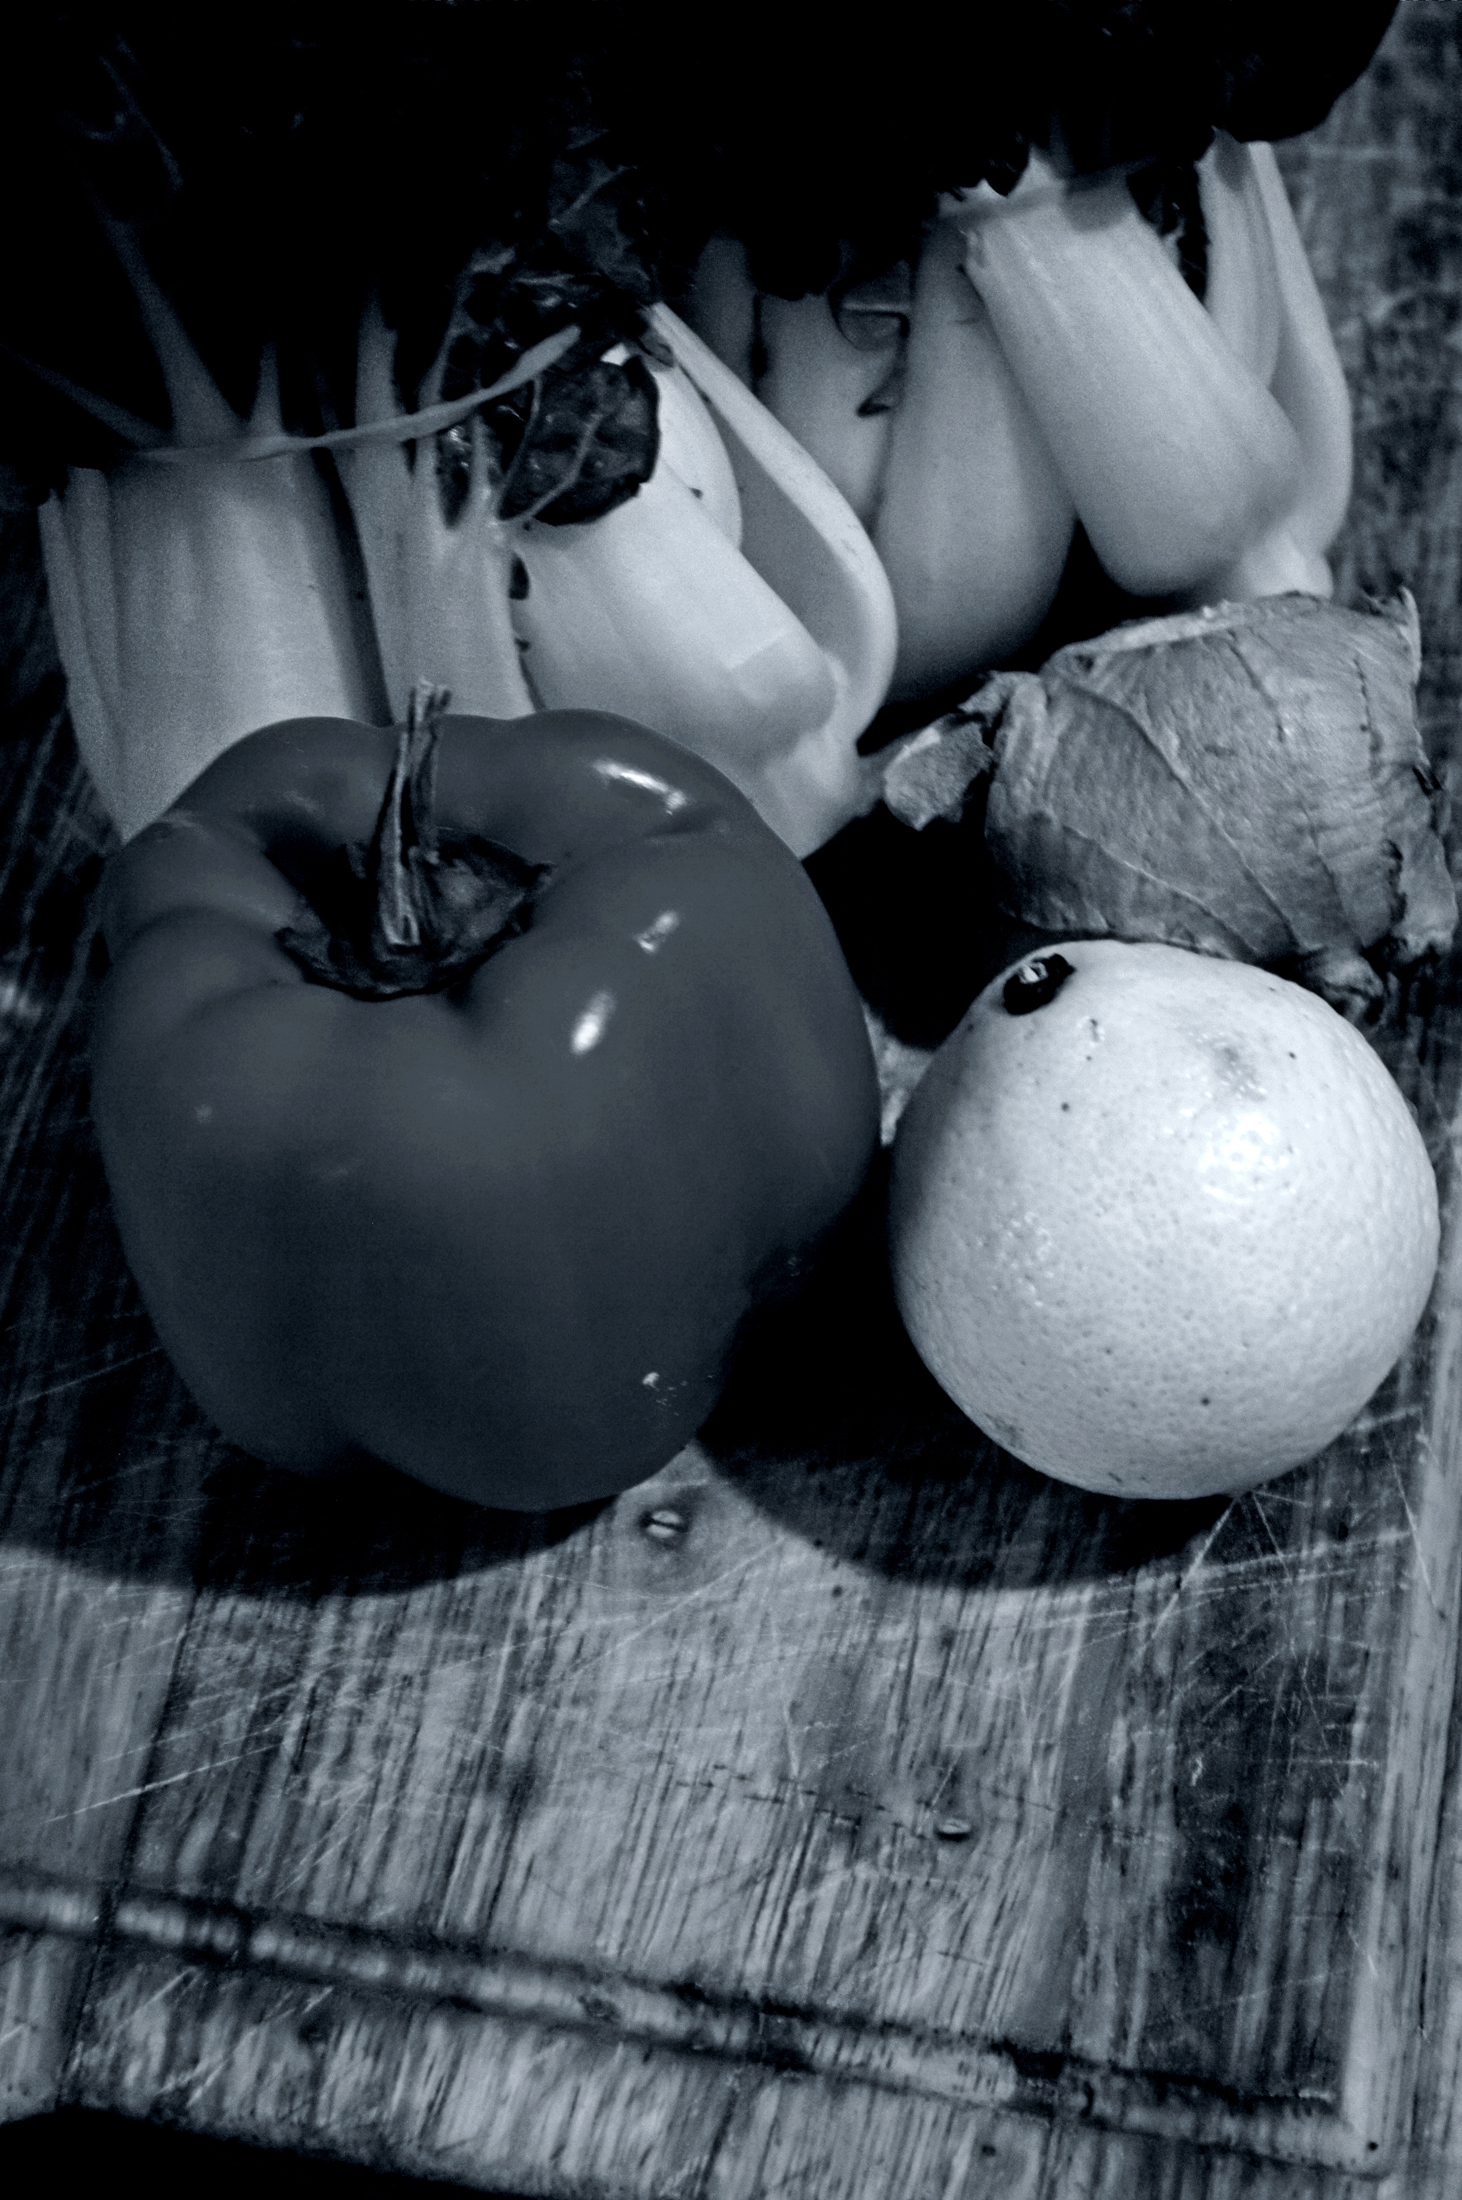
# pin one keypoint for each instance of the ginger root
(1247, 780)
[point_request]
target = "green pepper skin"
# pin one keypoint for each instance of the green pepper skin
(503, 1237)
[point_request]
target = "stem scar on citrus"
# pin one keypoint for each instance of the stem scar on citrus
(1160, 1224)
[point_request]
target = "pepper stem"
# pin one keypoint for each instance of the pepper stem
(413, 911)
(407, 824)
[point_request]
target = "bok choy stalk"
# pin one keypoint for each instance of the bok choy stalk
(974, 517)
(439, 585)
(1046, 359)
(530, 551)
(1207, 446)
(1309, 383)
(735, 604)
(588, 576)
(1175, 452)
(1136, 343)
(196, 595)
(177, 361)
(200, 589)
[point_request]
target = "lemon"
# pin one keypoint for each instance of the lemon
(1159, 1224)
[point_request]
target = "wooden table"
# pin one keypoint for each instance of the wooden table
(847, 1812)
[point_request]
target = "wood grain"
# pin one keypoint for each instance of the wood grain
(903, 1821)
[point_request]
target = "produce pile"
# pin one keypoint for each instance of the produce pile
(433, 371)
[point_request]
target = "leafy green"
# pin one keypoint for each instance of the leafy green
(277, 167)
(494, 167)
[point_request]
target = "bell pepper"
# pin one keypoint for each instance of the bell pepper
(462, 1091)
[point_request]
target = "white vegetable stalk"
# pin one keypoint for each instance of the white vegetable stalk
(930, 439)
(807, 543)
(199, 590)
(653, 612)
(973, 521)
(439, 592)
(830, 393)
(722, 305)
(194, 597)
(1241, 294)
(1208, 449)
(734, 604)
(692, 450)
(1052, 362)
(1177, 455)
(1309, 383)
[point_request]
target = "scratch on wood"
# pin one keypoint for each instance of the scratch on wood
(1416, 1536)
(93, 1375)
(150, 1787)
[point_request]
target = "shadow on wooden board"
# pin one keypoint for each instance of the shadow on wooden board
(57, 2152)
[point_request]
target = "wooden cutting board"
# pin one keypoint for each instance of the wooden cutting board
(849, 1810)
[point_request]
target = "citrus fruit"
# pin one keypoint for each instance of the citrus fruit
(1159, 1224)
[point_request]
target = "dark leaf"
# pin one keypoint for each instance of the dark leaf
(590, 443)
